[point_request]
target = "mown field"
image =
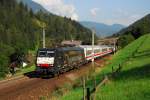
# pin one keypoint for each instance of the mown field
(132, 82)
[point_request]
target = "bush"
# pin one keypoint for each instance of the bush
(5, 52)
(3, 66)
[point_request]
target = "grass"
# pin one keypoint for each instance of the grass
(132, 83)
(76, 93)
(20, 72)
(25, 70)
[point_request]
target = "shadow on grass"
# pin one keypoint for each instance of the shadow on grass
(141, 54)
(135, 73)
(34, 74)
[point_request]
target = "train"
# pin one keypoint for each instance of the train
(62, 59)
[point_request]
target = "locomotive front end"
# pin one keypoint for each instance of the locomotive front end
(45, 60)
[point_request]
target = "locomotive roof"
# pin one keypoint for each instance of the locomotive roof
(69, 48)
(61, 48)
(46, 49)
(95, 46)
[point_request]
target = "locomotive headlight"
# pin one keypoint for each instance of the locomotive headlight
(38, 59)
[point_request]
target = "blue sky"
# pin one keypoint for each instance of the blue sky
(105, 11)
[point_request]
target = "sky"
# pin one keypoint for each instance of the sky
(110, 12)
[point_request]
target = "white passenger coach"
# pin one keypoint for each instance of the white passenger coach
(98, 51)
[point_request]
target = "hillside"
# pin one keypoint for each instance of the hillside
(21, 31)
(103, 29)
(143, 24)
(33, 5)
(134, 31)
(131, 82)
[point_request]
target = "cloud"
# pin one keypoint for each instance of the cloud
(136, 16)
(121, 12)
(124, 20)
(94, 11)
(123, 17)
(59, 7)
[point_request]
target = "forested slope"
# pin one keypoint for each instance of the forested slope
(134, 31)
(21, 31)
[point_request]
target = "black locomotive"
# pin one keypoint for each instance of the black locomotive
(59, 60)
(62, 59)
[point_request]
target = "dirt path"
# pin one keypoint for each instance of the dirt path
(26, 88)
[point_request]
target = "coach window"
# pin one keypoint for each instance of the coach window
(104, 49)
(42, 54)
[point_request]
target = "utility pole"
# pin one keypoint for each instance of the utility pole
(114, 46)
(43, 37)
(93, 45)
(93, 38)
(93, 67)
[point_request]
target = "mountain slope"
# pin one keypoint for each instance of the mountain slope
(103, 29)
(127, 72)
(35, 6)
(143, 25)
(133, 76)
(134, 31)
(21, 32)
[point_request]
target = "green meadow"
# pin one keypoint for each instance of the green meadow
(132, 82)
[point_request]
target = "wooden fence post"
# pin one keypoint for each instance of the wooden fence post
(88, 94)
(83, 82)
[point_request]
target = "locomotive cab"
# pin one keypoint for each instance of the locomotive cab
(45, 59)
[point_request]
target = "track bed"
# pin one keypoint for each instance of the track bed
(27, 88)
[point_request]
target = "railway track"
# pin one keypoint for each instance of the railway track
(30, 87)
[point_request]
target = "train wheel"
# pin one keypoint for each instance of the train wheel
(56, 73)
(76, 67)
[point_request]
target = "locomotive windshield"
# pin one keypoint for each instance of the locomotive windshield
(46, 54)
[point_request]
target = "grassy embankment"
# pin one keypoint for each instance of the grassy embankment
(22, 71)
(131, 83)
(31, 66)
(25, 70)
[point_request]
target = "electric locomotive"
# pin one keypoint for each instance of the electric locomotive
(59, 60)
(62, 59)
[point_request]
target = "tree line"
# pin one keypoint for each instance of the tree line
(20, 32)
(134, 31)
